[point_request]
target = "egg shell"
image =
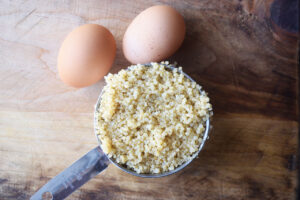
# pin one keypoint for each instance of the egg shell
(155, 34)
(86, 55)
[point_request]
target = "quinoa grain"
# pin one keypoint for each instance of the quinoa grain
(151, 119)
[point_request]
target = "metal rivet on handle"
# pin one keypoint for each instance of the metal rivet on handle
(47, 196)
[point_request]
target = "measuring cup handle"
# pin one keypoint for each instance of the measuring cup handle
(74, 176)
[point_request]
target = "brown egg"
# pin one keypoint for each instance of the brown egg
(155, 34)
(86, 55)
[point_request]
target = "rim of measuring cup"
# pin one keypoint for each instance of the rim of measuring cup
(123, 167)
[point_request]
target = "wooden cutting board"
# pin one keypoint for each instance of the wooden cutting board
(246, 62)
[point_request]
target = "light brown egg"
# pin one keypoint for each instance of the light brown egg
(86, 55)
(155, 34)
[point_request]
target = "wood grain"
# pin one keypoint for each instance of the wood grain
(247, 64)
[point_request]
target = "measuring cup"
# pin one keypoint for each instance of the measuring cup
(95, 162)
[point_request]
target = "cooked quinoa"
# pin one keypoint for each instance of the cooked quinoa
(151, 119)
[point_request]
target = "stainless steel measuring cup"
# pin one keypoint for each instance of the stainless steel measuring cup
(95, 162)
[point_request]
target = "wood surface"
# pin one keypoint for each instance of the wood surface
(232, 48)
